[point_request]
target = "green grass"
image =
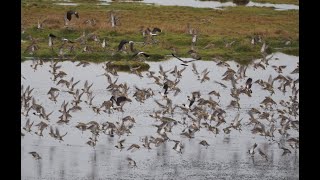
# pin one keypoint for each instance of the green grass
(214, 27)
(295, 2)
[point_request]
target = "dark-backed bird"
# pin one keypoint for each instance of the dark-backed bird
(120, 100)
(70, 13)
(155, 30)
(51, 37)
(121, 44)
(249, 83)
(165, 87)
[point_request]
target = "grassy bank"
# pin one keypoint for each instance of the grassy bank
(215, 28)
(295, 2)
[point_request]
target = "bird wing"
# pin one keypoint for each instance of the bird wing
(224, 86)
(86, 84)
(194, 68)
(130, 147)
(27, 123)
(233, 82)
(75, 83)
(177, 58)
(192, 60)
(249, 81)
(146, 55)
(135, 54)
(270, 79)
(161, 68)
(183, 69)
(49, 114)
(146, 140)
(161, 105)
(69, 13)
(64, 134)
(236, 119)
(109, 78)
(57, 132)
(122, 42)
(156, 30)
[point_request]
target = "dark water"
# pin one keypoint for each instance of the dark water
(225, 158)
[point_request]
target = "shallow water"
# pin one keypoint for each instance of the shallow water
(214, 4)
(193, 3)
(225, 158)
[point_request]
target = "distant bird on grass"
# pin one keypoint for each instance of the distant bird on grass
(70, 13)
(121, 45)
(68, 16)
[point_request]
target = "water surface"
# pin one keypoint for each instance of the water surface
(213, 4)
(225, 158)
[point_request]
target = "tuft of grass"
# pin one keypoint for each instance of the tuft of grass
(125, 65)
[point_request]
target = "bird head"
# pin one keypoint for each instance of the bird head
(76, 14)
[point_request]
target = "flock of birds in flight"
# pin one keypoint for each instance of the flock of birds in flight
(199, 112)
